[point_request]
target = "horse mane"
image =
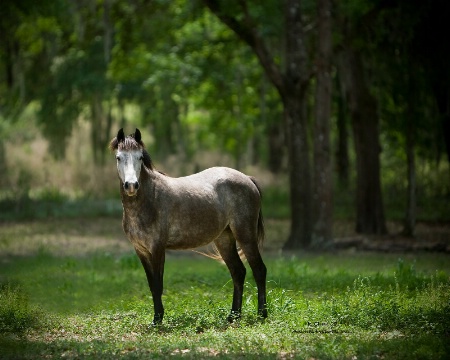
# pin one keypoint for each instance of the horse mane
(130, 143)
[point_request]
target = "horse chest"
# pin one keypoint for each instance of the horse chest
(138, 234)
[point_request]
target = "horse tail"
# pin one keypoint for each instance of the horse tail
(260, 226)
(261, 230)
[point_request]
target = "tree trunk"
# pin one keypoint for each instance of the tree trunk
(363, 112)
(274, 131)
(441, 90)
(108, 31)
(291, 85)
(276, 146)
(342, 158)
(411, 209)
(323, 181)
(101, 124)
(3, 165)
(299, 173)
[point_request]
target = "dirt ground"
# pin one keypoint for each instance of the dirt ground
(428, 237)
(83, 236)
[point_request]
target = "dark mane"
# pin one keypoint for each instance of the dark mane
(129, 143)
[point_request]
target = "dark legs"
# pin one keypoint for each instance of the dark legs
(259, 270)
(226, 245)
(154, 269)
(227, 249)
(247, 239)
(153, 264)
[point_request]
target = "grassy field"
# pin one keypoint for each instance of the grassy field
(74, 289)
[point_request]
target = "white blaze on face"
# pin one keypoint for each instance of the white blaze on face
(129, 168)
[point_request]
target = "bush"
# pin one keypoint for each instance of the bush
(16, 316)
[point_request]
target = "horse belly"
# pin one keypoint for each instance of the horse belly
(195, 230)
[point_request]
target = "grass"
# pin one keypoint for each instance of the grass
(321, 306)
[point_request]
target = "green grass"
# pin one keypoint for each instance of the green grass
(331, 306)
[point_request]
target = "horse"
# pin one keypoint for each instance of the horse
(218, 205)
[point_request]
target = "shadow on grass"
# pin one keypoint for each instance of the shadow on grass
(331, 346)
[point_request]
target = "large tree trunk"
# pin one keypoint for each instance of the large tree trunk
(291, 85)
(299, 173)
(363, 111)
(293, 93)
(323, 180)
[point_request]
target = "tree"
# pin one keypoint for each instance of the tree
(195, 82)
(433, 53)
(363, 108)
(292, 82)
(323, 179)
(363, 112)
(342, 148)
(33, 34)
(407, 83)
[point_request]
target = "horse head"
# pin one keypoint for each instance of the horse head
(130, 155)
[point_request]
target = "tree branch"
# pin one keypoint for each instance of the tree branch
(246, 31)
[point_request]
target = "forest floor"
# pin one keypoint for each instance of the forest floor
(434, 237)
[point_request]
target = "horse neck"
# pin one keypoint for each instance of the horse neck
(142, 200)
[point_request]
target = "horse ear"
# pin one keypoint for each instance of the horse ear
(120, 136)
(137, 136)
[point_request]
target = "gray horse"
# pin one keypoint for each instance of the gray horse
(219, 205)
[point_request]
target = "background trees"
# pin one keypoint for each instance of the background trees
(278, 83)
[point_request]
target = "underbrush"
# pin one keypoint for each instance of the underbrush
(56, 205)
(25, 202)
(327, 306)
(16, 314)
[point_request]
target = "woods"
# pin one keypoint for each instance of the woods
(340, 98)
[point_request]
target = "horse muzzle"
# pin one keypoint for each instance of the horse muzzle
(131, 188)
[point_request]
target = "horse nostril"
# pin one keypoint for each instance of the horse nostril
(136, 185)
(126, 185)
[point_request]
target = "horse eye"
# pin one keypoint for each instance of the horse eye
(118, 158)
(141, 157)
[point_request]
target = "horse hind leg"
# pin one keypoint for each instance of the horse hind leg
(226, 245)
(248, 241)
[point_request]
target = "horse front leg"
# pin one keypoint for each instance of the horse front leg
(153, 264)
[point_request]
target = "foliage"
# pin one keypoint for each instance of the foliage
(175, 69)
(51, 203)
(16, 315)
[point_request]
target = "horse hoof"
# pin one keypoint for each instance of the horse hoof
(262, 313)
(234, 316)
(157, 320)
